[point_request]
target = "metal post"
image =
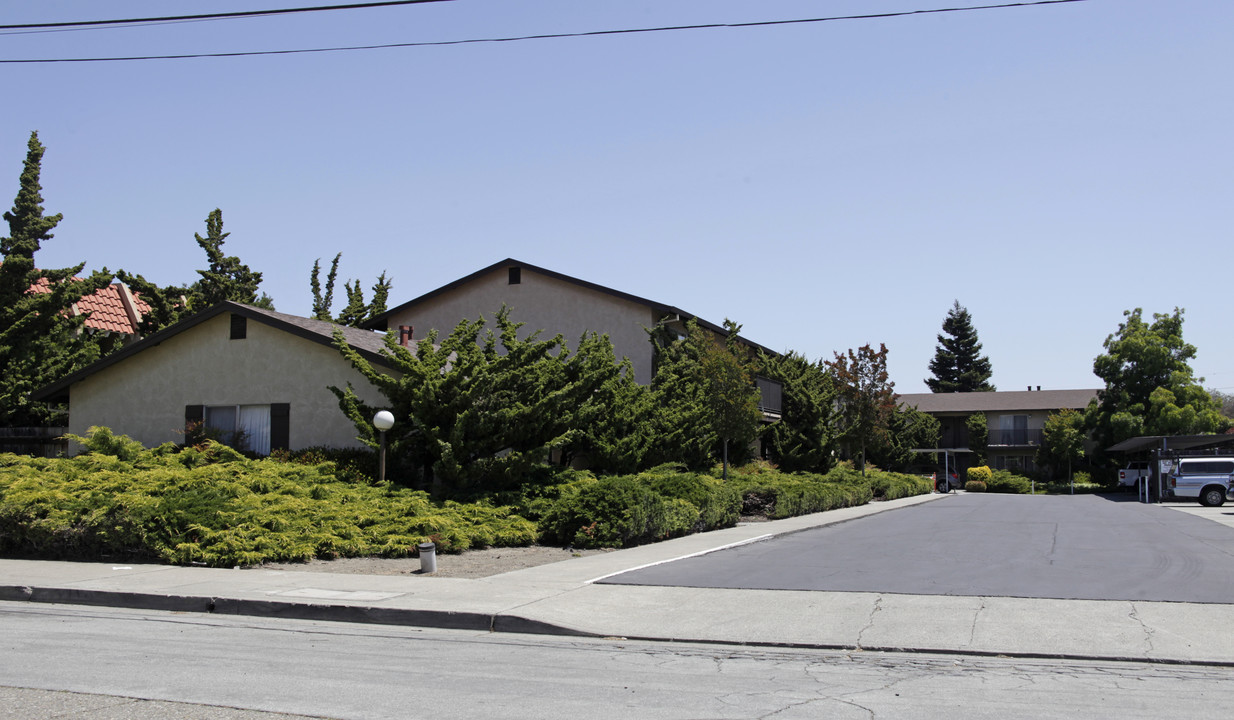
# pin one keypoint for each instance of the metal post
(381, 462)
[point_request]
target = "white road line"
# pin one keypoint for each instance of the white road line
(683, 557)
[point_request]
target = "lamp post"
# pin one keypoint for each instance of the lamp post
(383, 421)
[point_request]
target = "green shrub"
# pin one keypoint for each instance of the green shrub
(892, 486)
(719, 505)
(1082, 478)
(355, 465)
(213, 506)
(102, 441)
(976, 486)
(616, 511)
(1003, 481)
(781, 495)
(980, 473)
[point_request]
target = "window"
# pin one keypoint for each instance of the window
(1014, 463)
(239, 327)
(516, 275)
(1206, 467)
(1013, 429)
(251, 428)
(243, 427)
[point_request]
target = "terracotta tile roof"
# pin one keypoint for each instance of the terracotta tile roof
(106, 308)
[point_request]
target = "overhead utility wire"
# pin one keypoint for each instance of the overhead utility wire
(215, 16)
(549, 36)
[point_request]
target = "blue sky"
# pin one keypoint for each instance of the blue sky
(825, 184)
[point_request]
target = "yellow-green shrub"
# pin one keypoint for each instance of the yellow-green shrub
(183, 507)
(981, 473)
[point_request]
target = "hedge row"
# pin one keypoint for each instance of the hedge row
(667, 502)
(215, 507)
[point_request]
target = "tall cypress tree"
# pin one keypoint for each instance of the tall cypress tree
(39, 341)
(227, 278)
(958, 365)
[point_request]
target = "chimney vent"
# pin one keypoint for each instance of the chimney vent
(404, 334)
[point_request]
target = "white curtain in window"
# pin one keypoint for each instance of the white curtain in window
(255, 423)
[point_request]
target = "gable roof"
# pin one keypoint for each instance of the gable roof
(113, 308)
(1007, 401)
(381, 322)
(369, 344)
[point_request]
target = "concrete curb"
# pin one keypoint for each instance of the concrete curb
(362, 614)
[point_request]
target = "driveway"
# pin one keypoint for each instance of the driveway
(1082, 547)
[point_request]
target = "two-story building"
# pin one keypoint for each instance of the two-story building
(1014, 420)
(553, 303)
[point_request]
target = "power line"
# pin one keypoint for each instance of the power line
(547, 36)
(214, 16)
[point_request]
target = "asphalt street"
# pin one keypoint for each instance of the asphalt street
(1064, 547)
(113, 664)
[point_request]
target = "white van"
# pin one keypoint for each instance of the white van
(1206, 479)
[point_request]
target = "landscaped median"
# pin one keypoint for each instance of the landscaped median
(209, 505)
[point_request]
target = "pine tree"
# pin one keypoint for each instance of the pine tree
(958, 365)
(39, 341)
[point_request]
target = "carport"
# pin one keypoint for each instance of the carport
(1166, 447)
(950, 462)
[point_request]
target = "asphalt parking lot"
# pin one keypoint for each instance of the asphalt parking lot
(1082, 547)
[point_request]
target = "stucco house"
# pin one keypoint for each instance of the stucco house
(231, 367)
(1015, 420)
(554, 303)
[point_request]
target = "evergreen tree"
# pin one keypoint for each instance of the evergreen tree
(476, 412)
(39, 341)
(321, 304)
(356, 312)
(226, 278)
(804, 439)
(608, 410)
(958, 365)
(680, 422)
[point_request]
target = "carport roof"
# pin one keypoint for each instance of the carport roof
(1171, 442)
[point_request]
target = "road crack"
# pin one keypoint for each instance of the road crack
(1148, 631)
(878, 607)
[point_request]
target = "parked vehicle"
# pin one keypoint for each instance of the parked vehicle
(1206, 479)
(947, 481)
(1135, 471)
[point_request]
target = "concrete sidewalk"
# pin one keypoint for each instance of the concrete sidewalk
(563, 599)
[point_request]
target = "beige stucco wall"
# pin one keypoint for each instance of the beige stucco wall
(144, 396)
(542, 303)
